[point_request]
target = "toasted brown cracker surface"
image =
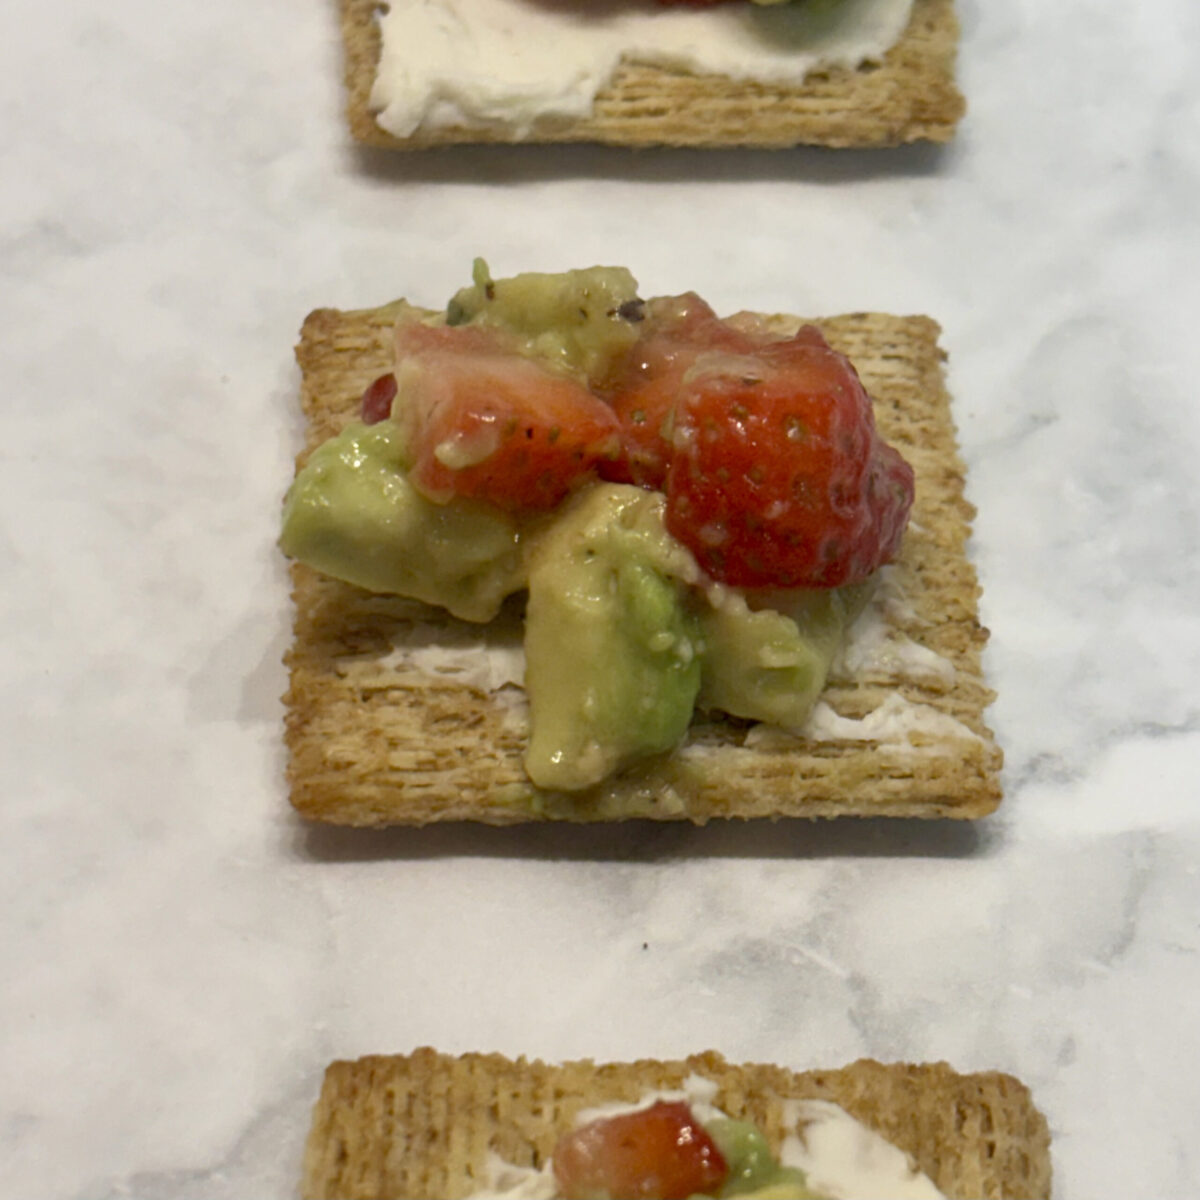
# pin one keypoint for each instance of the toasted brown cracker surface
(911, 96)
(423, 1125)
(377, 736)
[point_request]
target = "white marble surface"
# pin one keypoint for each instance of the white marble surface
(181, 956)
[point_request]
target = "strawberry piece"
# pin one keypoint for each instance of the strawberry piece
(659, 1153)
(487, 423)
(776, 475)
(678, 330)
(377, 399)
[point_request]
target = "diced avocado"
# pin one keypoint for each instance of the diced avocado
(770, 663)
(611, 669)
(351, 513)
(747, 1153)
(754, 1173)
(584, 320)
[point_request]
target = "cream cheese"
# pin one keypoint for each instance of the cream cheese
(513, 63)
(489, 659)
(892, 723)
(874, 649)
(845, 1160)
(505, 1181)
(697, 1093)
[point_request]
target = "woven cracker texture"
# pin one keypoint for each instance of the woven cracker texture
(911, 96)
(375, 738)
(423, 1125)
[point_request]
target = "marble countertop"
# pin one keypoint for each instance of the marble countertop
(182, 956)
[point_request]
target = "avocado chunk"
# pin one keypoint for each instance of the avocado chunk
(747, 1154)
(770, 663)
(352, 513)
(611, 668)
(583, 321)
(754, 1173)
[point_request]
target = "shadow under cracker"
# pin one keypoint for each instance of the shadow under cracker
(652, 841)
(544, 163)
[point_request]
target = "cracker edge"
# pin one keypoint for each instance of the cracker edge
(911, 96)
(339, 352)
(421, 1125)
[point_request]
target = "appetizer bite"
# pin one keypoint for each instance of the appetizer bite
(663, 72)
(566, 552)
(481, 1126)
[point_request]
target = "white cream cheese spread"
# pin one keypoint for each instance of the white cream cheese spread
(506, 1181)
(513, 63)
(697, 1093)
(490, 658)
(892, 723)
(843, 1159)
(875, 649)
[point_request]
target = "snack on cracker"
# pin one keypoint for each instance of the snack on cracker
(802, 95)
(409, 711)
(435, 1125)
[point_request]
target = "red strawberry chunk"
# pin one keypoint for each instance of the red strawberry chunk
(487, 423)
(377, 399)
(776, 476)
(659, 1153)
(678, 330)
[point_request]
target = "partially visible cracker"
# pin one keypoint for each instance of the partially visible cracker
(423, 1125)
(379, 737)
(911, 96)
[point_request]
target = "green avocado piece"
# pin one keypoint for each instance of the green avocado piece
(747, 1154)
(766, 656)
(611, 668)
(583, 321)
(754, 1173)
(352, 513)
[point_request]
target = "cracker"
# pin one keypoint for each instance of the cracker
(422, 1125)
(911, 96)
(377, 737)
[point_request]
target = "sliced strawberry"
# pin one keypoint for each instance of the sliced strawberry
(677, 330)
(776, 475)
(659, 1153)
(485, 422)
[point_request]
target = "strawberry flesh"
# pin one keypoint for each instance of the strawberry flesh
(658, 1153)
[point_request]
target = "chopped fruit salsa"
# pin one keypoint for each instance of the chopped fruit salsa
(696, 507)
(664, 1152)
(765, 447)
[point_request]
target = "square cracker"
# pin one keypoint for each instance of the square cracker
(382, 732)
(911, 96)
(423, 1125)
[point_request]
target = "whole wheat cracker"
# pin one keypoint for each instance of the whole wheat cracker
(423, 1125)
(911, 96)
(377, 738)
